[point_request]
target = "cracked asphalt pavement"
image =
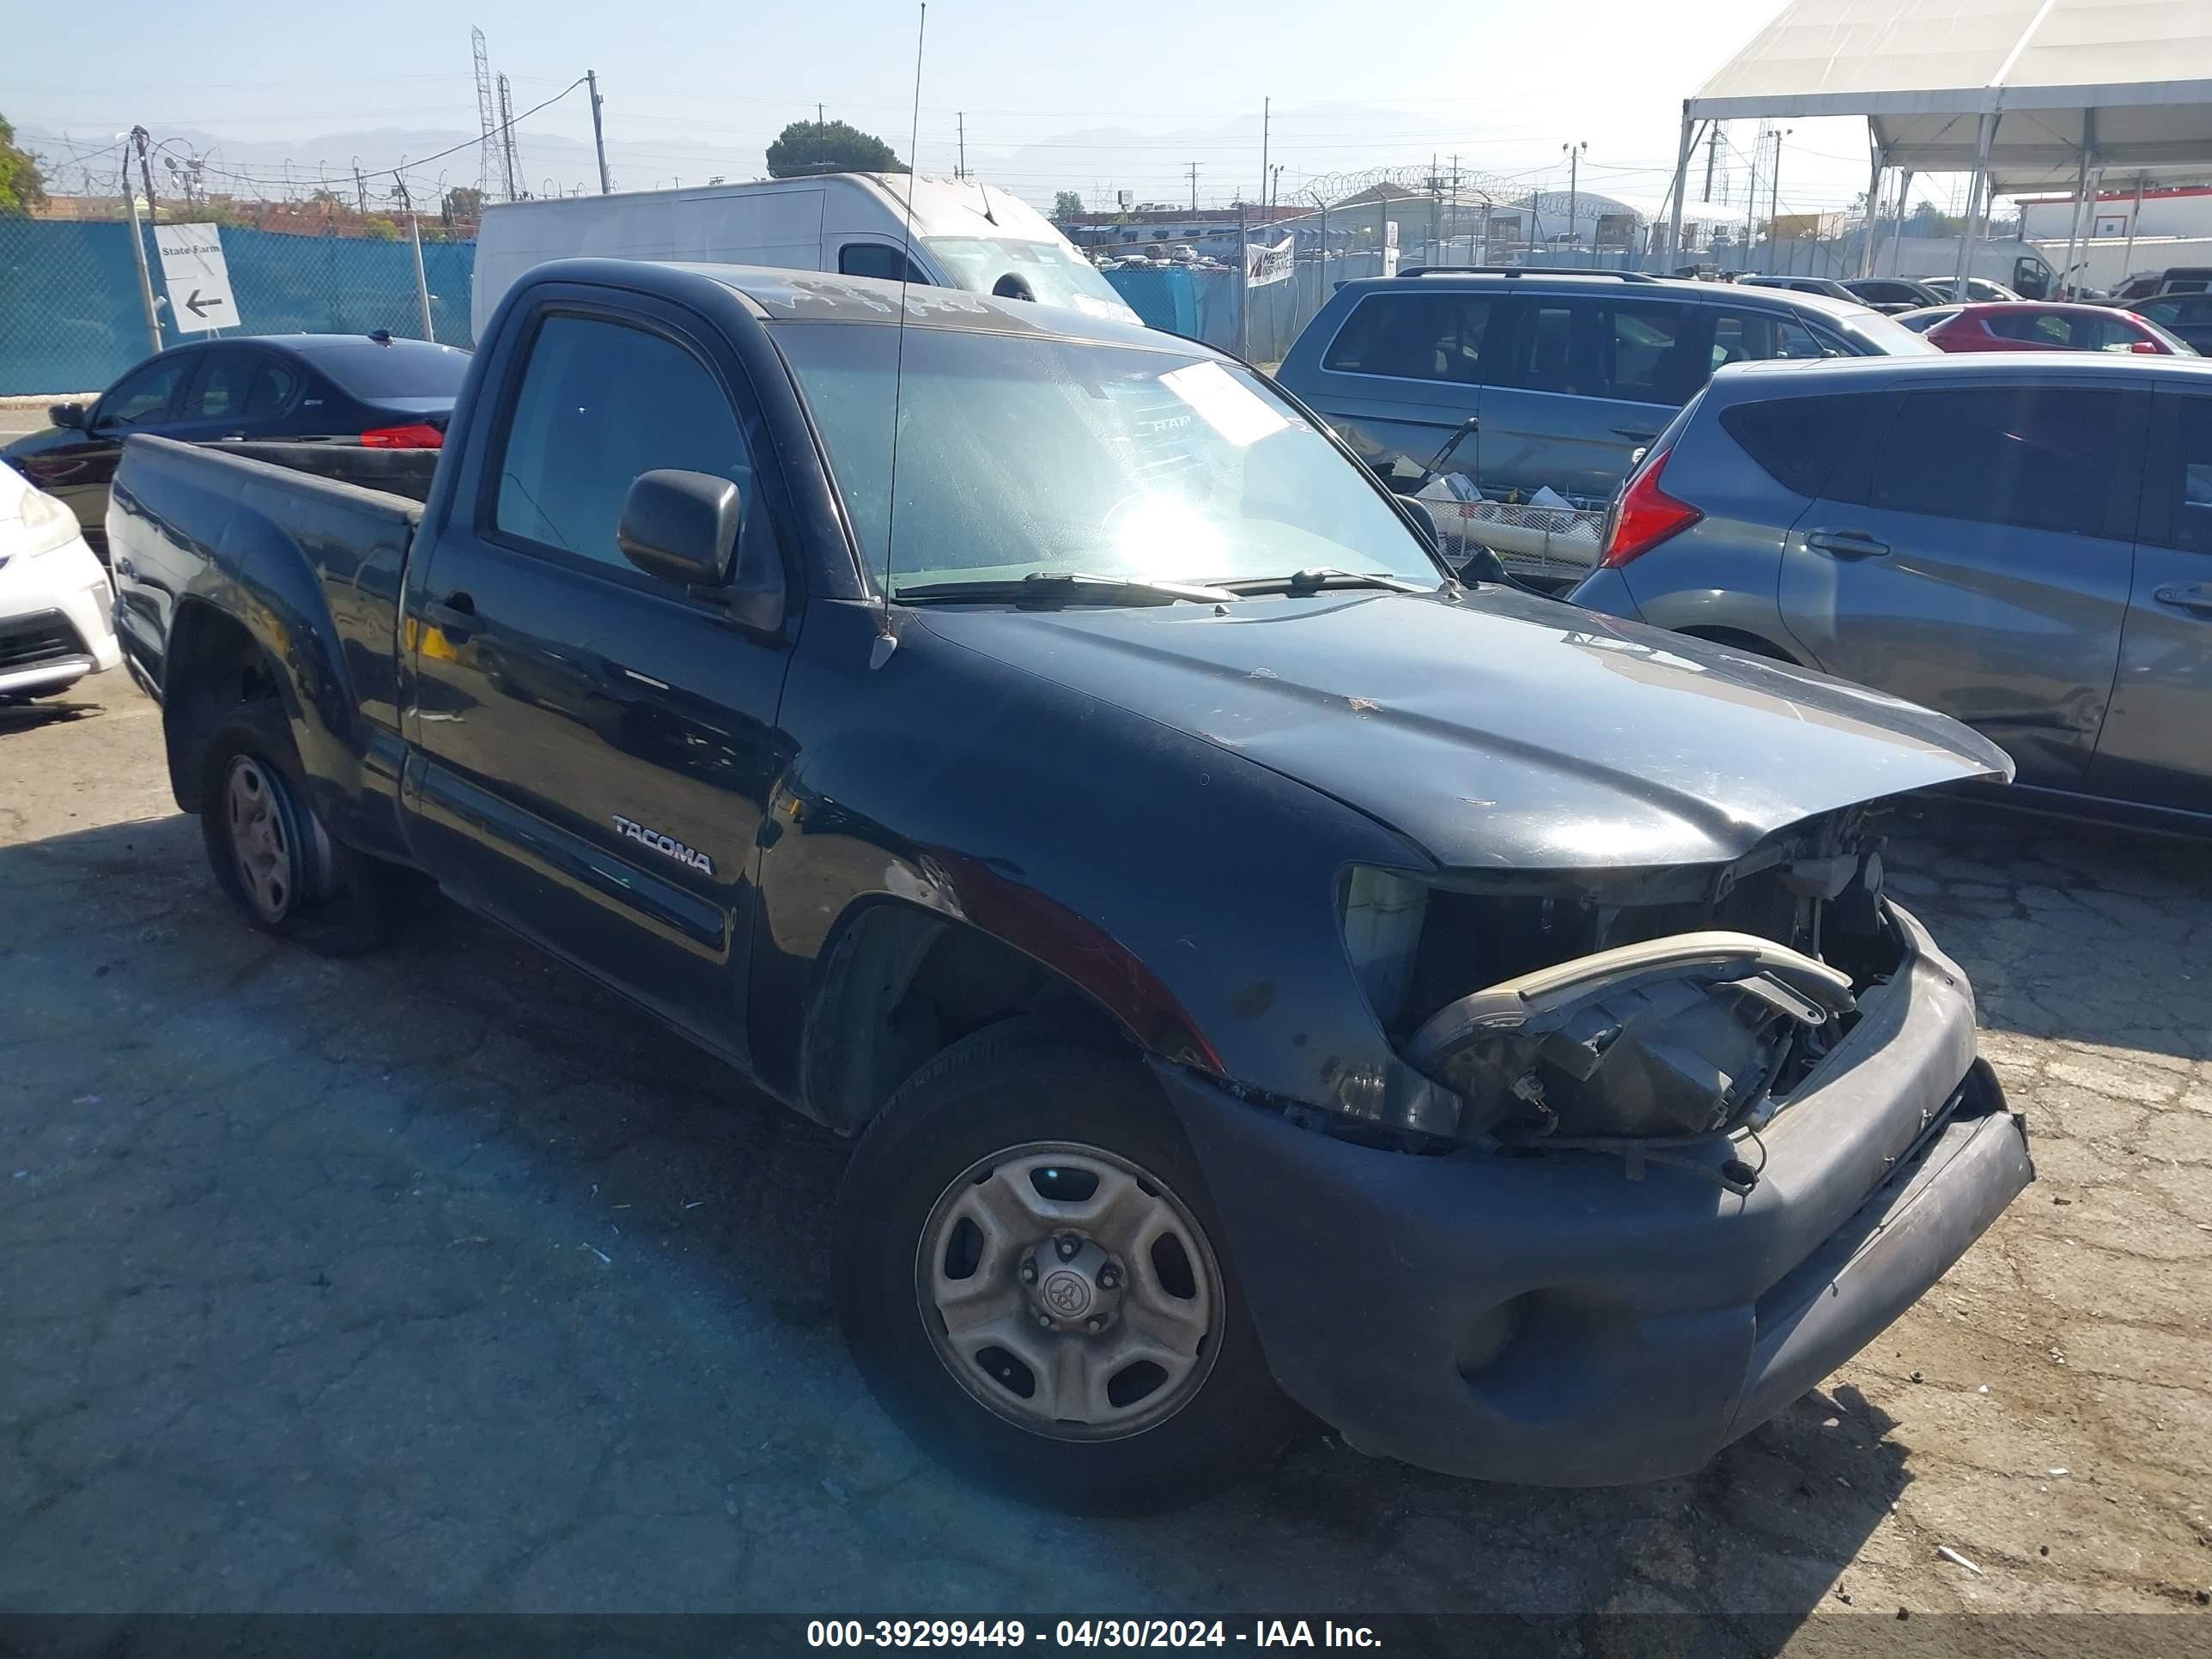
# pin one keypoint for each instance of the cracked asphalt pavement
(438, 1280)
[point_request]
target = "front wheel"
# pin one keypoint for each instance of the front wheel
(1033, 1281)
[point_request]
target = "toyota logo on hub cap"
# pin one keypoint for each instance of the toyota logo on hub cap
(1068, 1294)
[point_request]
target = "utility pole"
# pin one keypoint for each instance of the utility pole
(820, 120)
(1267, 107)
(961, 172)
(1574, 154)
(1712, 154)
(138, 137)
(1436, 210)
(598, 135)
(1774, 185)
(360, 192)
(1193, 186)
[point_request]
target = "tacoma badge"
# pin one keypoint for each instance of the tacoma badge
(666, 844)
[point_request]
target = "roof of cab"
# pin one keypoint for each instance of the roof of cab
(779, 296)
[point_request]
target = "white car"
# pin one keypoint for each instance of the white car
(57, 604)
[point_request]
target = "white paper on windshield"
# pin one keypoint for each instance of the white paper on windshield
(1236, 412)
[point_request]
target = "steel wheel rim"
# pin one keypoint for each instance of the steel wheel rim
(1105, 1341)
(261, 842)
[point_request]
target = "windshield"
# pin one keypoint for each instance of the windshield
(1052, 274)
(2173, 342)
(1019, 454)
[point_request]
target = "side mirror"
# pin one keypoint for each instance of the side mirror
(2145, 348)
(71, 416)
(683, 527)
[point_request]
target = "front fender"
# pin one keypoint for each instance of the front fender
(1190, 892)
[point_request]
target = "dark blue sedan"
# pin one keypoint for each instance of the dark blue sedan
(368, 389)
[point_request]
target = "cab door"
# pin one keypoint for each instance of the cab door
(594, 746)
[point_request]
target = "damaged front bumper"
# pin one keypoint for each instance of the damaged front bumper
(1545, 1318)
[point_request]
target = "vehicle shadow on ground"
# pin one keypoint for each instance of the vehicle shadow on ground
(26, 716)
(504, 1085)
(2082, 933)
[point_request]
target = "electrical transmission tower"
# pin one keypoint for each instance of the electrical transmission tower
(515, 179)
(485, 119)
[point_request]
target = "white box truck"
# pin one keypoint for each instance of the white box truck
(964, 236)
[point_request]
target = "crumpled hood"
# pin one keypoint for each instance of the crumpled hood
(1501, 729)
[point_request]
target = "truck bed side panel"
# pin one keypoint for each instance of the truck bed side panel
(311, 569)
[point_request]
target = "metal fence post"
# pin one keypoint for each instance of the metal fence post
(422, 282)
(1243, 288)
(145, 280)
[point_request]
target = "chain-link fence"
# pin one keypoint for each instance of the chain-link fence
(72, 317)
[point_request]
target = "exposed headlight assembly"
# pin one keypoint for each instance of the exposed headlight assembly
(1659, 1040)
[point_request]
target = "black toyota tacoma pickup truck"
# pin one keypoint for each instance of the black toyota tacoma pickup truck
(1253, 965)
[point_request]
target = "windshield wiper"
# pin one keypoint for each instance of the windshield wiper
(1314, 579)
(1042, 588)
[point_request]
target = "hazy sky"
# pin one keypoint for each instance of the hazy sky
(1120, 96)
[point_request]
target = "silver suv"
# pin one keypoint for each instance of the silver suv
(1540, 379)
(2021, 541)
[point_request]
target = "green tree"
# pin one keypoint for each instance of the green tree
(23, 186)
(807, 147)
(462, 202)
(378, 228)
(1065, 205)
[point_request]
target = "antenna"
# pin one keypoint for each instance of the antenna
(887, 642)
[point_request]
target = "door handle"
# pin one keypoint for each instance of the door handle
(454, 616)
(1846, 543)
(1635, 432)
(2196, 598)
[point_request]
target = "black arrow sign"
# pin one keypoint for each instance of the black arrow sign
(198, 306)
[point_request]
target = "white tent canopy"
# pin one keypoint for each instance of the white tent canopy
(2024, 94)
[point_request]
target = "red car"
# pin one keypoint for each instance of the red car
(2043, 326)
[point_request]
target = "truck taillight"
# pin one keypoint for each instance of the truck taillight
(420, 435)
(1645, 515)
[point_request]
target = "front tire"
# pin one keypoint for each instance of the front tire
(1033, 1281)
(270, 853)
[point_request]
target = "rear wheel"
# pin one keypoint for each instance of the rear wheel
(1033, 1281)
(269, 850)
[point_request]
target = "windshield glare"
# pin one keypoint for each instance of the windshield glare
(1052, 274)
(1019, 454)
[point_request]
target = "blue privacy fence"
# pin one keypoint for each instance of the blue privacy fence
(70, 318)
